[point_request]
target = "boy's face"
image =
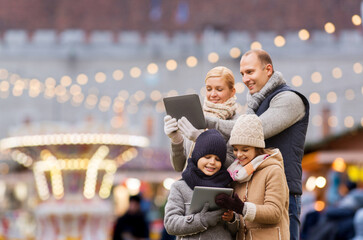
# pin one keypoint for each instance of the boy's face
(209, 164)
(244, 154)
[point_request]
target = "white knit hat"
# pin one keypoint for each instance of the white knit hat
(248, 131)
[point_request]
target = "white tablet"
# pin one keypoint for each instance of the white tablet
(188, 106)
(201, 195)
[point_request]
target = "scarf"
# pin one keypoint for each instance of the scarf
(244, 173)
(223, 111)
(254, 101)
(193, 176)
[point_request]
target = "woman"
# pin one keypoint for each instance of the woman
(220, 102)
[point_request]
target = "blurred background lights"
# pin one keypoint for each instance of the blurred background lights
(235, 52)
(319, 206)
(279, 41)
(317, 120)
(192, 61)
(357, 68)
(240, 87)
(171, 65)
(316, 77)
(213, 57)
(118, 75)
(135, 72)
(100, 77)
(356, 20)
(333, 121)
(66, 81)
(82, 79)
(339, 165)
(256, 45)
(329, 27)
(349, 121)
(349, 94)
(152, 68)
(133, 185)
(304, 34)
(337, 72)
(320, 182)
(155, 95)
(314, 98)
(310, 183)
(297, 81)
(167, 183)
(331, 97)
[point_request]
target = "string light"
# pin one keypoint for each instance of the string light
(329, 27)
(279, 41)
(192, 61)
(213, 57)
(256, 45)
(304, 34)
(235, 52)
(171, 65)
(356, 20)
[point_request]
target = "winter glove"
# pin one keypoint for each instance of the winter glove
(225, 201)
(188, 130)
(171, 129)
(210, 218)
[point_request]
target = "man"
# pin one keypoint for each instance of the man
(133, 225)
(284, 113)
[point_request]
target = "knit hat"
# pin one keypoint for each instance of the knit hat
(248, 131)
(210, 142)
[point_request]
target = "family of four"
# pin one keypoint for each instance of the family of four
(258, 154)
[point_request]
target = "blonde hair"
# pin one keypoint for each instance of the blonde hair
(225, 73)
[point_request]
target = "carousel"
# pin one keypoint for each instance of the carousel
(74, 175)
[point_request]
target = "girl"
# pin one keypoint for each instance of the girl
(204, 169)
(219, 102)
(259, 181)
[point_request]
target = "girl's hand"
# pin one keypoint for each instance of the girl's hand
(228, 216)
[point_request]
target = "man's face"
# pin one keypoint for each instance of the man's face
(254, 74)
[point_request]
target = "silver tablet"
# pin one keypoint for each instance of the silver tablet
(188, 106)
(201, 195)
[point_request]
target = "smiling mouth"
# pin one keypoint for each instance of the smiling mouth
(209, 169)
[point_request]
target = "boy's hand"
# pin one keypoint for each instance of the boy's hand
(228, 216)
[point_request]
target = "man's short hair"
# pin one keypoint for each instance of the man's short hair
(262, 55)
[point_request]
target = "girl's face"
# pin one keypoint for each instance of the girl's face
(244, 154)
(209, 164)
(217, 90)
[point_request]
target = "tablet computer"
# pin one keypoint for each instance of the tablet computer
(188, 106)
(201, 195)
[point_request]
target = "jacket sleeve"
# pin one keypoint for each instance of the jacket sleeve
(223, 126)
(234, 226)
(175, 221)
(286, 108)
(276, 195)
(177, 156)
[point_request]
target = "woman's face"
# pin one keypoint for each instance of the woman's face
(209, 164)
(244, 154)
(218, 90)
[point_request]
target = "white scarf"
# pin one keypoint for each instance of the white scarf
(223, 111)
(254, 101)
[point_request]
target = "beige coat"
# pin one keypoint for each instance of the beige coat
(267, 204)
